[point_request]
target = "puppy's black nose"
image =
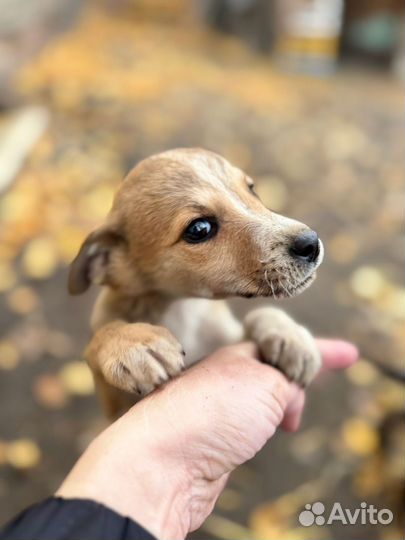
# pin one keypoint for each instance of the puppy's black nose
(305, 246)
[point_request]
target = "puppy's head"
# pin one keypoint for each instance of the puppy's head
(187, 222)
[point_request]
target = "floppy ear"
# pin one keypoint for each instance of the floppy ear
(92, 261)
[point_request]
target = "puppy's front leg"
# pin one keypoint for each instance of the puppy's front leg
(284, 344)
(134, 357)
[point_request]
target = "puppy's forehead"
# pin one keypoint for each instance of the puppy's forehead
(185, 178)
(206, 180)
(204, 166)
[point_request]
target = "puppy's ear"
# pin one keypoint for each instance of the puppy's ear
(92, 262)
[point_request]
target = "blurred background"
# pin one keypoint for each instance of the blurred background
(305, 95)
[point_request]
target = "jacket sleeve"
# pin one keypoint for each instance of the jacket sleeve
(72, 519)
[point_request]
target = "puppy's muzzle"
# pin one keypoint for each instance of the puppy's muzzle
(306, 247)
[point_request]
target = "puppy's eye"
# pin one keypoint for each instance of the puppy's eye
(200, 230)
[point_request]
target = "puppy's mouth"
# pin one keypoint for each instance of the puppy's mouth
(279, 285)
(282, 282)
(296, 288)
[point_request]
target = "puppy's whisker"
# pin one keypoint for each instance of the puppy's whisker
(288, 293)
(250, 282)
(269, 283)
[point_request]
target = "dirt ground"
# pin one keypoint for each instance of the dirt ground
(118, 86)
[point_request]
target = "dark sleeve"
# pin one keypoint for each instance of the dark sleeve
(72, 519)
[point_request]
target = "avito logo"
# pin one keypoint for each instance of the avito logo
(315, 514)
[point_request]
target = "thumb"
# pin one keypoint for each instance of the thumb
(337, 354)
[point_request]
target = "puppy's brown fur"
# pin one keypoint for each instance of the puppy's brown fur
(160, 293)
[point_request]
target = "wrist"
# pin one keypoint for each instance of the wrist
(158, 494)
(137, 480)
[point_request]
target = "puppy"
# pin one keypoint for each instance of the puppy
(187, 230)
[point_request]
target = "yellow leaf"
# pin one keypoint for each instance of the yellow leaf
(68, 240)
(360, 437)
(40, 258)
(17, 204)
(279, 519)
(392, 301)
(97, 203)
(77, 379)
(367, 282)
(9, 355)
(362, 373)
(390, 396)
(23, 454)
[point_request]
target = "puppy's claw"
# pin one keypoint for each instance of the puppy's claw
(150, 367)
(137, 357)
(284, 344)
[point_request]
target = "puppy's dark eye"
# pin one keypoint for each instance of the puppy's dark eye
(200, 230)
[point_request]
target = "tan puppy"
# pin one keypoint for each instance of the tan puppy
(186, 228)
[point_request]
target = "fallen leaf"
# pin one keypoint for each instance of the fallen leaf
(390, 396)
(9, 355)
(77, 379)
(17, 204)
(97, 203)
(23, 454)
(68, 239)
(40, 258)
(392, 301)
(360, 437)
(279, 519)
(367, 282)
(362, 373)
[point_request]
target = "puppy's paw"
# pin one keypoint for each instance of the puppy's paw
(136, 357)
(293, 353)
(284, 344)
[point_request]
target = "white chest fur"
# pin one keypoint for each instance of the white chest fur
(201, 326)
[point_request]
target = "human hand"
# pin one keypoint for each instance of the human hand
(165, 462)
